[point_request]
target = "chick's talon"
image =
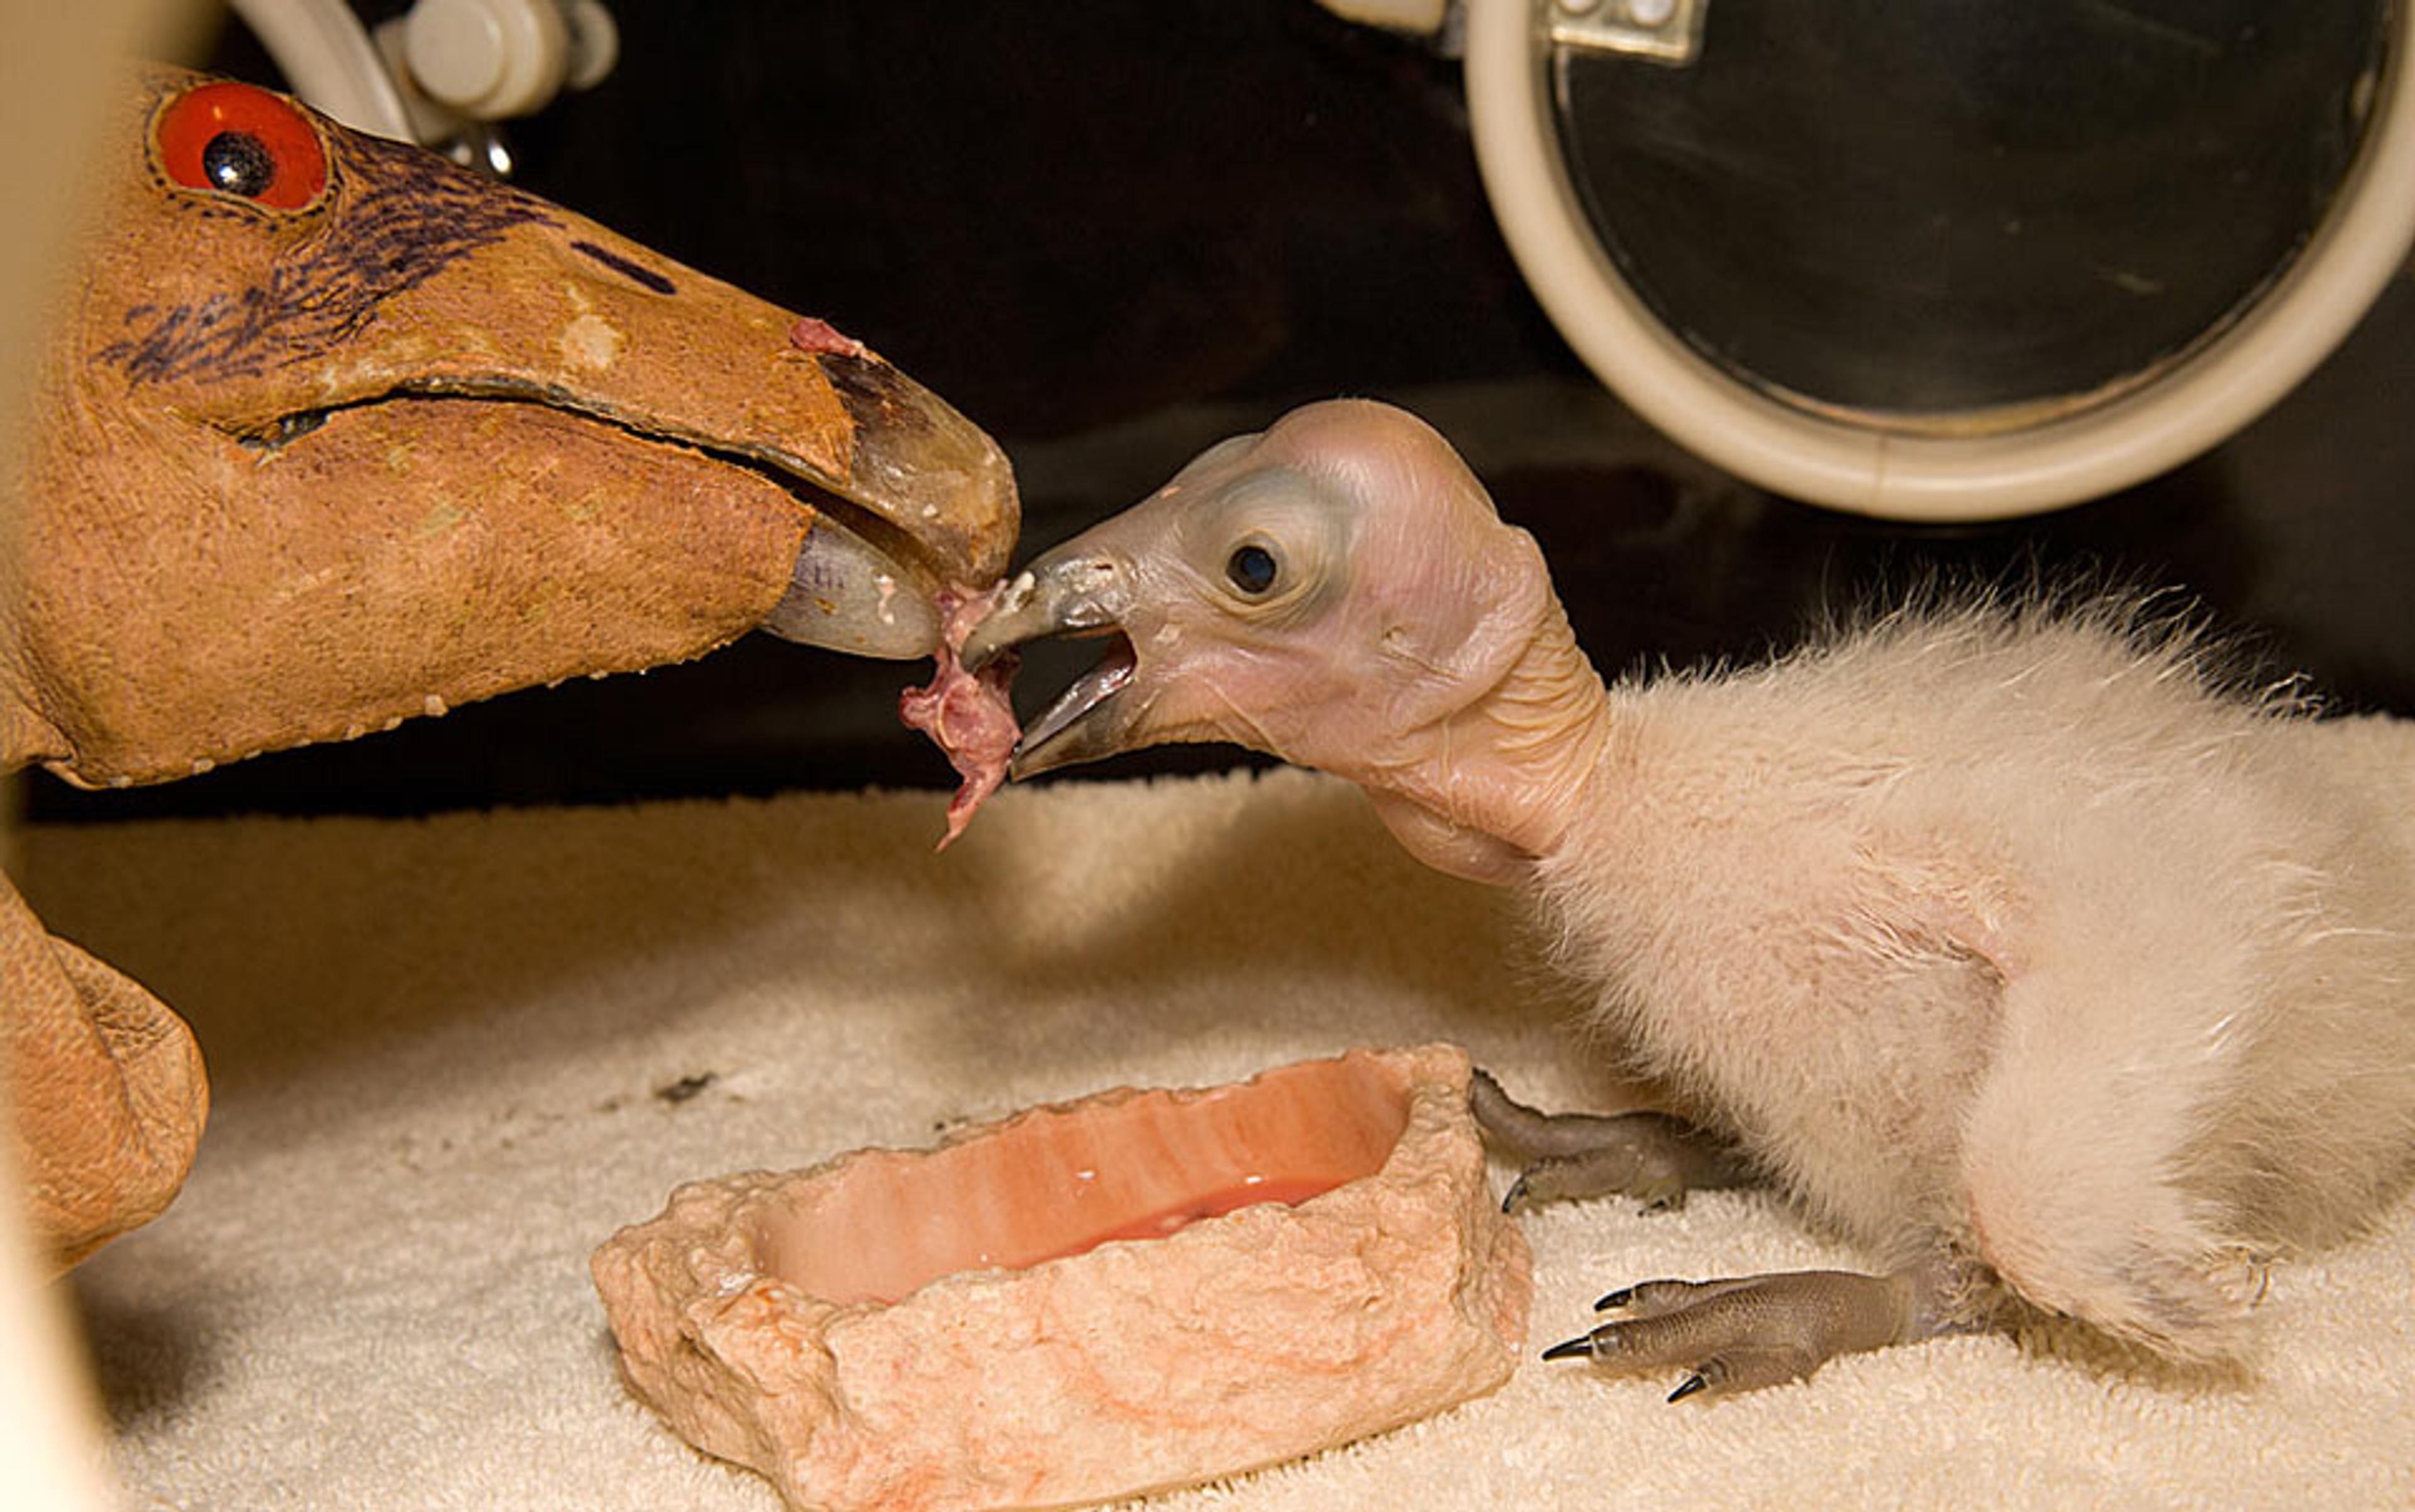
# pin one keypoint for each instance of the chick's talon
(1743, 1333)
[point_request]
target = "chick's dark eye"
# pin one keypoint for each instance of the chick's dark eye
(1251, 569)
(238, 162)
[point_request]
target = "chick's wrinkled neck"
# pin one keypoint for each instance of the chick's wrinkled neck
(1492, 786)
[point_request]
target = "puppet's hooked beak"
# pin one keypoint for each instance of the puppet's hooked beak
(927, 501)
(1075, 589)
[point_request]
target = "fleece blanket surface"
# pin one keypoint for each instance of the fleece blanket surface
(450, 1055)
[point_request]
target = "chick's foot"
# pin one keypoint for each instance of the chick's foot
(1649, 1156)
(1753, 1331)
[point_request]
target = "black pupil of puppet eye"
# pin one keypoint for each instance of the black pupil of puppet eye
(239, 163)
(1251, 569)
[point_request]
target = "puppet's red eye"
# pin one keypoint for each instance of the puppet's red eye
(243, 141)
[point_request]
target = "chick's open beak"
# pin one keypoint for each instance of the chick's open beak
(1080, 591)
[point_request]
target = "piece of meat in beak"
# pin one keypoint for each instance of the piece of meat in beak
(1064, 593)
(1131, 583)
(1330, 590)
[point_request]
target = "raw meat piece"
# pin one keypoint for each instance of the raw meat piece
(813, 334)
(966, 713)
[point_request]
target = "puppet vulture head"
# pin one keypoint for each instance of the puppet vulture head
(1338, 591)
(327, 433)
(330, 433)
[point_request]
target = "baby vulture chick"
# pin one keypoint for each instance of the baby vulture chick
(2008, 946)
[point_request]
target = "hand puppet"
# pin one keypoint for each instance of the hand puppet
(328, 433)
(2007, 941)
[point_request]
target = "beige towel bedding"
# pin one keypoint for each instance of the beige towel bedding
(450, 1055)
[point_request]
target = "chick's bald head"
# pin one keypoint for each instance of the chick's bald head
(1326, 591)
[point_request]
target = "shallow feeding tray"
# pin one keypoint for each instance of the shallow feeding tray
(1136, 1291)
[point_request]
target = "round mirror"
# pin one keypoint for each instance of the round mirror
(1947, 261)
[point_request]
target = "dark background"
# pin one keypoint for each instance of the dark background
(1113, 232)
